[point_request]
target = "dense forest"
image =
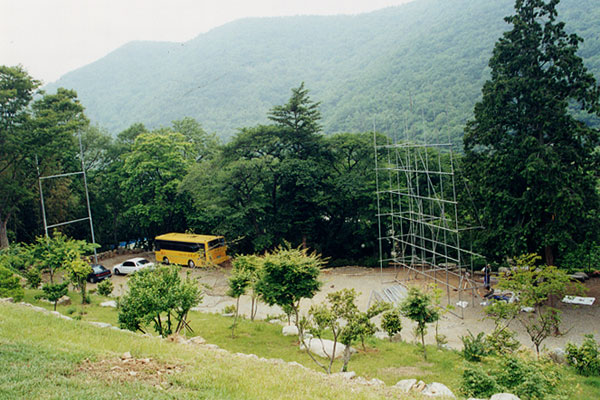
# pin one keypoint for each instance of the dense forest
(416, 68)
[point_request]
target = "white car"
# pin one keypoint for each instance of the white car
(131, 265)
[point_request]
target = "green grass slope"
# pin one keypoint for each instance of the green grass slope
(44, 357)
(419, 65)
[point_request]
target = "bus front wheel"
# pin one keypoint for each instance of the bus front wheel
(191, 264)
(165, 260)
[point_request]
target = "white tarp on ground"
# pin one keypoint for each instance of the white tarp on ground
(586, 301)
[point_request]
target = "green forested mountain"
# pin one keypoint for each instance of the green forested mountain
(419, 65)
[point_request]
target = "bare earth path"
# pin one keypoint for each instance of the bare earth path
(577, 320)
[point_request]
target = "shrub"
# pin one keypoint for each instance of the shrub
(501, 341)
(476, 383)
(391, 323)
(474, 347)
(10, 285)
(34, 277)
(230, 309)
(54, 291)
(526, 378)
(586, 358)
(105, 288)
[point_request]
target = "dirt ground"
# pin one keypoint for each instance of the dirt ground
(577, 320)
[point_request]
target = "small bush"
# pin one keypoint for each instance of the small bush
(71, 310)
(34, 277)
(105, 288)
(476, 383)
(501, 341)
(528, 379)
(586, 358)
(10, 285)
(391, 323)
(474, 348)
(230, 309)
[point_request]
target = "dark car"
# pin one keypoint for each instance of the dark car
(98, 273)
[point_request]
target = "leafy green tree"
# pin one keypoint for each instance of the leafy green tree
(10, 285)
(341, 318)
(239, 281)
(159, 297)
(418, 307)
(153, 171)
(59, 251)
(535, 287)
(289, 275)
(77, 272)
(532, 165)
(41, 130)
(54, 291)
(391, 322)
(203, 145)
(300, 116)
(249, 266)
(105, 288)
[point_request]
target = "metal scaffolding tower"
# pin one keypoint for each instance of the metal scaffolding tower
(418, 217)
(87, 197)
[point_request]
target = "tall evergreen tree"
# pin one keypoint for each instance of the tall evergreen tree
(532, 165)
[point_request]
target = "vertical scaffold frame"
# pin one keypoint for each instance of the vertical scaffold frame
(87, 197)
(418, 218)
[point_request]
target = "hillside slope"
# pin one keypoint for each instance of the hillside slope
(44, 357)
(419, 65)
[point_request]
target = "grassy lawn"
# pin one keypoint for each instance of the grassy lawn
(44, 357)
(56, 354)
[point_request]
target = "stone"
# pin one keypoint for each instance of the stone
(7, 300)
(504, 396)
(419, 386)
(296, 364)
(345, 375)
(64, 301)
(436, 389)
(126, 356)
(197, 340)
(100, 324)
(558, 355)
(382, 335)
(212, 346)
(376, 382)
(405, 385)
(323, 347)
(290, 330)
(581, 275)
(110, 303)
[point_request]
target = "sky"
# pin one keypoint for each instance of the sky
(52, 37)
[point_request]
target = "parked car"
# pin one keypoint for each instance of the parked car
(98, 273)
(131, 265)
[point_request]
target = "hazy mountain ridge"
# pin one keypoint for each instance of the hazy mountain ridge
(419, 65)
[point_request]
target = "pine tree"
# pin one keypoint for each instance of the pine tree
(532, 165)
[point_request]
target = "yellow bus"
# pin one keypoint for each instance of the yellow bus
(189, 249)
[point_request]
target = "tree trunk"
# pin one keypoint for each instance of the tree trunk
(4, 232)
(549, 255)
(237, 310)
(423, 343)
(346, 358)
